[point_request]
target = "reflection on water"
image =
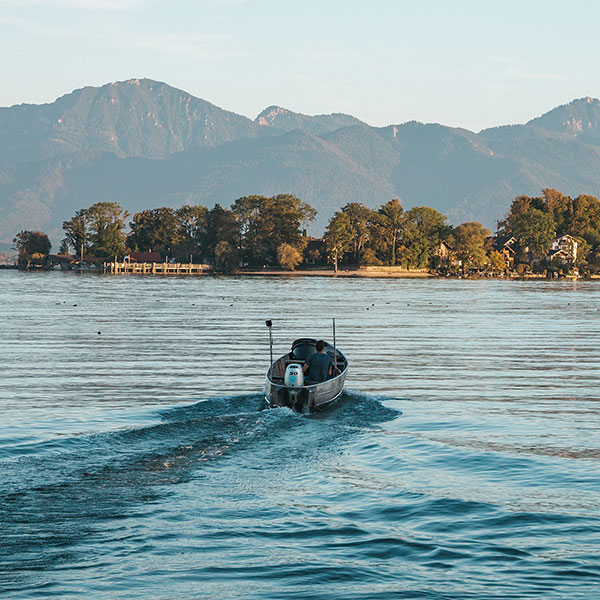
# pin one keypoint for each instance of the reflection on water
(137, 460)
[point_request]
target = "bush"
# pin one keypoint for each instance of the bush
(288, 256)
(369, 258)
(226, 259)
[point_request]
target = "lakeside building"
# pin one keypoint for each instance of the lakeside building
(143, 257)
(507, 246)
(563, 249)
(444, 251)
(70, 262)
(315, 253)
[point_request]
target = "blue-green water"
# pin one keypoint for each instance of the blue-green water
(463, 461)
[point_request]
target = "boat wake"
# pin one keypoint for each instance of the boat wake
(68, 490)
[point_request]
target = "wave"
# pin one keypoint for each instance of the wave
(60, 490)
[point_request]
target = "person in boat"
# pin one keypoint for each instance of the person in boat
(318, 366)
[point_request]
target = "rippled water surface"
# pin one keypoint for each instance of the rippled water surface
(136, 460)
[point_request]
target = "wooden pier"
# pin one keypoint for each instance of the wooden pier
(154, 268)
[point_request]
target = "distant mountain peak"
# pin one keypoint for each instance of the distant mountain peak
(270, 113)
(136, 117)
(578, 117)
(287, 120)
(145, 143)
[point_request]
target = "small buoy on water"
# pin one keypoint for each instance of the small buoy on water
(99, 332)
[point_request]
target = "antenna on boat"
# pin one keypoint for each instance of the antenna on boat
(334, 350)
(269, 324)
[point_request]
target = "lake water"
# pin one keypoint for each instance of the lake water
(138, 462)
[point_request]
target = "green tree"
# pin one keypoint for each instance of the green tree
(107, 225)
(221, 226)
(468, 242)
(338, 237)
(226, 257)
(266, 223)
(520, 206)
(389, 226)
(64, 247)
(97, 230)
(585, 221)
(369, 257)
(31, 246)
(583, 250)
(560, 207)
(77, 233)
(497, 262)
(157, 230)
(534, 229)
(192, 230)
(423, 230)
(288, 256)
(359, 226)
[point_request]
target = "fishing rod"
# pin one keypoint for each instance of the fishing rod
(334, 350)
(269, 324)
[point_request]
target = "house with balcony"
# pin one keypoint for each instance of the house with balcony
(563, 250)
(505, 245)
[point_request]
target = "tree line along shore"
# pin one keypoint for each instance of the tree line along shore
(548, 235)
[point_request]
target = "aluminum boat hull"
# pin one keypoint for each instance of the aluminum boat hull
(306, 398)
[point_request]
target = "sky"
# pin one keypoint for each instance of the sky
(472, 64)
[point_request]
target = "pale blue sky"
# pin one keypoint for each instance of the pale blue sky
(464, 63)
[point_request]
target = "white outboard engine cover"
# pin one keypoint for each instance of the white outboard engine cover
(294, 377)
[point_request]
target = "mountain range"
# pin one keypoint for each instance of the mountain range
(146, 144)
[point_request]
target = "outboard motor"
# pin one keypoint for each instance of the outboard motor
(294, 377)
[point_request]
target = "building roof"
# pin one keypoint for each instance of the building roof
(314, 244)
(145, 257)
(503, 241)
(61, 258)
(559, 253)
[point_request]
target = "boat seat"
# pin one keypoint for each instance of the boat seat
(295, 361)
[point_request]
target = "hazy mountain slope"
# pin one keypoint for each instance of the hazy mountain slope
(46, 193)
(367, 147)
(579, 118)
(146, 144)
(566, 156)
(131, 118)
(475, 177)
(275, 117)
(441, 167)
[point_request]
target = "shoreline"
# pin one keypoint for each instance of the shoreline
(363, 273)
(355, 273)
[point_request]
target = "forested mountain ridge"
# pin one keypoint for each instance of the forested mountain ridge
(138, 117)
(286, 120)
(146, 144)
(579, 118)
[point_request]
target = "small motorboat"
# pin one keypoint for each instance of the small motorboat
(286, 385)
